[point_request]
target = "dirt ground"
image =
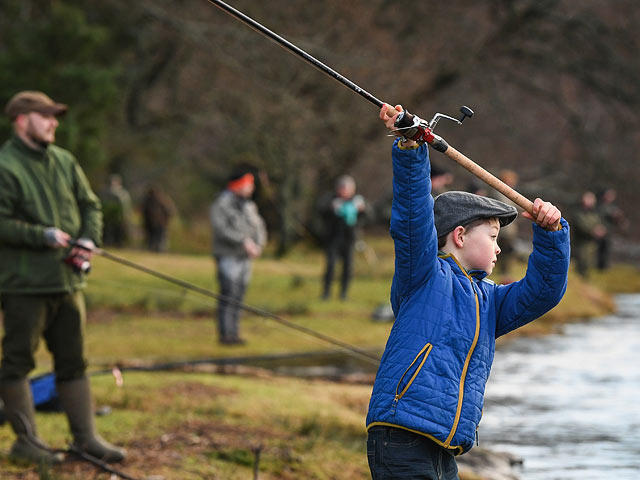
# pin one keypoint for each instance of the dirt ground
(160, 458)
(163, 457)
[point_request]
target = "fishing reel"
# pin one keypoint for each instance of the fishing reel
(78, 262)
(415, 128)
(78, 258)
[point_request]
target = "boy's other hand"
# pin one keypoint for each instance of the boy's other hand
(545, 215)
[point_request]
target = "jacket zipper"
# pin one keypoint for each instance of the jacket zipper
(424, 353)
(465, 368)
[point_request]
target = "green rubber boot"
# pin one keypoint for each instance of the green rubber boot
(20, 412)
(75, 396)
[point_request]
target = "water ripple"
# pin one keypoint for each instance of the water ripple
(567, 403)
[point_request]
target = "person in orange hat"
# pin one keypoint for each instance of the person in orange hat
(46, 203)
(239, 236)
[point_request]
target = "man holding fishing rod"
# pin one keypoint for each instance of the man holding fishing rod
(428, 394)
(45, 202)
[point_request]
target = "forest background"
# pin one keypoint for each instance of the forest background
(176, 93)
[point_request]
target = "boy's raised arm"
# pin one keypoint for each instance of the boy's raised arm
(412, 224)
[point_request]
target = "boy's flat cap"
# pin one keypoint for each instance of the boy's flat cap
(454, 208)
(33, 101)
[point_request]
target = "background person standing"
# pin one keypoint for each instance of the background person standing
(341, 215)
(116, 213)
(588, 230)
(45, 202)
(613, 218)
(157, 210)
(239, 235)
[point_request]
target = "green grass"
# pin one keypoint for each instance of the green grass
(183, 425)
(187, 426)
(620, 279)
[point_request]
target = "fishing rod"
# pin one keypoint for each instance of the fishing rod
(203, 291)
(287, 45)
(406, 122)
(34, 440)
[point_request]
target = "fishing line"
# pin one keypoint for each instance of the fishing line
(256, 311)
(187, 296)
(35, 441)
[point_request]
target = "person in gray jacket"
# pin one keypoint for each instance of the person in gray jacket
(239, 236)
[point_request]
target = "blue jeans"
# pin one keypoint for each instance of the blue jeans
(397, 454)
(234, 274)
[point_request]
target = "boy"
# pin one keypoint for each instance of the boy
(428, 394)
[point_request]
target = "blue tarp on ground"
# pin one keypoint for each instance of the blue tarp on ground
(43, 389)
(45, 395)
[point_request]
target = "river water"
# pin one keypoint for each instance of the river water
(568, 404)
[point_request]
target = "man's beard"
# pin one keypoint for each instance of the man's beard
(38, 140)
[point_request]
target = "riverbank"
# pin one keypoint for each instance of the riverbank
(566, 402)
(193, 424)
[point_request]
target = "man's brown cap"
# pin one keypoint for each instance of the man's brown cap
(33, 101)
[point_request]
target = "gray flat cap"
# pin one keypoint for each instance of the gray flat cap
(451, 209)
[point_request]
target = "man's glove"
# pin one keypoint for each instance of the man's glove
(84, 247)
(56, 238)
(80, 256)
(86, 244)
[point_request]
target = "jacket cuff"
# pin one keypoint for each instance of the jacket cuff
(552, 238)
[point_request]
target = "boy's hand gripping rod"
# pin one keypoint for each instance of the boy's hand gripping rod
(405, 120)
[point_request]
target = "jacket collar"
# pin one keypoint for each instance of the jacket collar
(453, 261)
(25, 149)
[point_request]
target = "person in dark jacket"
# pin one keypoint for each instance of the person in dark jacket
(588, 230)
(340, 214)
(613, 218)
(239, 236)
(157, 210)
(116, 213)
(45, 202)
(428, 393)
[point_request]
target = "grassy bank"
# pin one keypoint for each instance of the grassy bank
(195, 425)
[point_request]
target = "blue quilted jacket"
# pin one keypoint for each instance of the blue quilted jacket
(437, 360)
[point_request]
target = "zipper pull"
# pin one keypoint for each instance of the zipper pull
(477, 438)
(394, 406)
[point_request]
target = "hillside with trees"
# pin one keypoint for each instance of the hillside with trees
(177, 92)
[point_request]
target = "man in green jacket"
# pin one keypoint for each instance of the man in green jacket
(45, 202)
